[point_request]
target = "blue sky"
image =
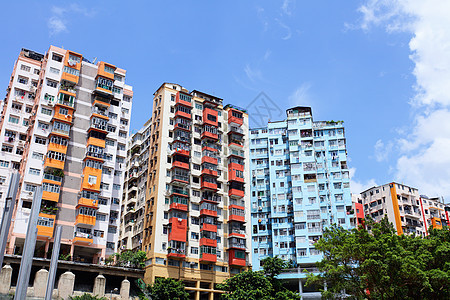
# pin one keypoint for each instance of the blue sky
(364, 62)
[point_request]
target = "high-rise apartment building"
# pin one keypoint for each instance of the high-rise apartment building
(134, 189)
(299, 185)
(404, 207)
(197, 210)
(64, 126)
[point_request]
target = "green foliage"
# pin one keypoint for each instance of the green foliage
(250, 285)
(66, 257)
(129, 258)
(376, 263)
(165, 289)
(86, 296)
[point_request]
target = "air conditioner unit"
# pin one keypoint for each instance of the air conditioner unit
(30, 193)
(259, 207)
(50, 103)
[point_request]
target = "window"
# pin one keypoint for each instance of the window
(194, 235)
(109, 142)
(112, 115)
(71, 71)
(116, 187)
(111, 128)
(122, 134)
(118, 78)
(57, 57)
(13, 119)
(22, 80)
(109, 69)
(63, 111)
(52, 83)
(101, 217)
(194, 250)
(33, 171)
(92, 179)
(117, 90)
(6, 148)
(4, 164)
(25, 68)
(54, 70)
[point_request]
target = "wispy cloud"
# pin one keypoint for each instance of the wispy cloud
(254, 74)
(301, 96)
(382, 150)
(57, 23)
(287, 29)
(287, 7)
(424, 161)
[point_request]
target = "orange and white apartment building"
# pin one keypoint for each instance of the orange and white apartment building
(64, 125)
(197, 210)
(405, 208)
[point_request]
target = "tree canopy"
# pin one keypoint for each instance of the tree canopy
(128, 258)
(165, 289)
(376, 263)
(258, 285)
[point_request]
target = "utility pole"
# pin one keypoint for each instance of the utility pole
(28, 249)
(7, 213)
(53, 263)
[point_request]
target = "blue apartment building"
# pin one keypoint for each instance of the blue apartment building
(300, 185)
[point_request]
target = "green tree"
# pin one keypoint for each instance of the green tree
(264, 284)
(129, 258)
(86, 296)
(376, 263)
(165, 289)
(248, 285)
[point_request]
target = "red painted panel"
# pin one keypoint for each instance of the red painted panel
(208, 242)
(179, 206)
(211, 160)
(208, 212)
(208, 111)
(208, 257)
(209, 227)
(178, 230)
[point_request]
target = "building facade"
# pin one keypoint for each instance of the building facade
(197, 211)
(134, 189)
(404, 207)
(64, 126)
(299, 185)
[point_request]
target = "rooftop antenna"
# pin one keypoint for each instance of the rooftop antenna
(95, 59)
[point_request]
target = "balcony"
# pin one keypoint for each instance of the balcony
(237, 245)
(180, 151)
(46, 223)
(179, 191)
(183, 99)
(88, 202)
(180, 178)
(236, 258)
(50, 196)
(210, 135)
(178, 206)
(208, 212)
(210, 117)
(236, 213)
(86, 220)
(60, 131)
(208, 242)
(53, 163)
(176, 253)
(67, 103)
(209, 227)
(208, 257)
(208, 185)
(235, 117)
(83, 238)
(209, 172)
(236, 232)
(53, 178)
(182, 126)
(209, 160)
(178, 229)
(238, 130)
(180, 164)
(233, 192)
(183, 114)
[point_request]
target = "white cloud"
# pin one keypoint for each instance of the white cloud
(288, 30)
(57, 23)
(424, 159)
(301, 96)
(357, 186)
(254, 74)
(382, 150)
(286, 7)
